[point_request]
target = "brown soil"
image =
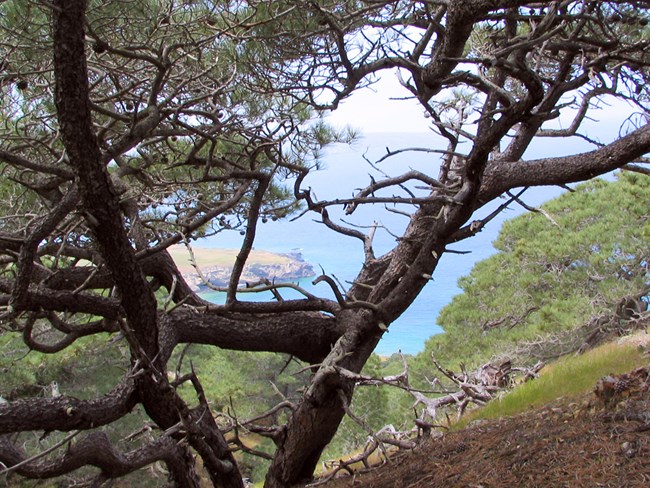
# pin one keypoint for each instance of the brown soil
(599, 441)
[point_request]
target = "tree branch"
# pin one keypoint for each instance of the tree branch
(306, 335)
(501, 176)
(68, 413)
(95, 450)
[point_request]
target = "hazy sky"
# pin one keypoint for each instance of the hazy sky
(376, 109)
(372, 109)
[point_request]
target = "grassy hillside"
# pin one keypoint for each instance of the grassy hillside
(570, 377)
(552, 431)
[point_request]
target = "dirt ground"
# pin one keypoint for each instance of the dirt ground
(601, 440)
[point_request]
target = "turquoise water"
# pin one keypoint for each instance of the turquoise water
(342, 256)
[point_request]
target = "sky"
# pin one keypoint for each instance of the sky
(382, 108)
(372, 110)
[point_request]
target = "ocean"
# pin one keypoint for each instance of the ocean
(345, 170)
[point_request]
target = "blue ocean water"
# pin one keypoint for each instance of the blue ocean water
(345, 170)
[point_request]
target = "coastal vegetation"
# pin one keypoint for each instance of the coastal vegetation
(237, 383)
(558, 275)
(129, 127)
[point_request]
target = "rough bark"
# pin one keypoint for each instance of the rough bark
(306, 335)
(318, 416)
(96, 450)
(501, 176)
(65, 413)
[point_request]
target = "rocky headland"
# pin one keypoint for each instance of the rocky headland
(216, 266)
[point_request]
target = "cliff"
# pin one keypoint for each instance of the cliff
(216, 265)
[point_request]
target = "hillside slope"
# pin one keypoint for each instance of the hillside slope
(601, 439)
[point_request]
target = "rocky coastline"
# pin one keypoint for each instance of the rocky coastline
(262, 265)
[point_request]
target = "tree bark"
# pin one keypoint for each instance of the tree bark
(313, 425)
(66, 413)
(501, 176)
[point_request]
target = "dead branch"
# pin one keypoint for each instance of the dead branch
(538, 210)
(512, 320)
(387, 435)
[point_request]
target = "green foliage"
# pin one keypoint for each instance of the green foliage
(242, 384)
(87, 368)
(550, 274)
(213, 85)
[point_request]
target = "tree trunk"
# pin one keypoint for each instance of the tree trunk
(311, 428)
(313, 425)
